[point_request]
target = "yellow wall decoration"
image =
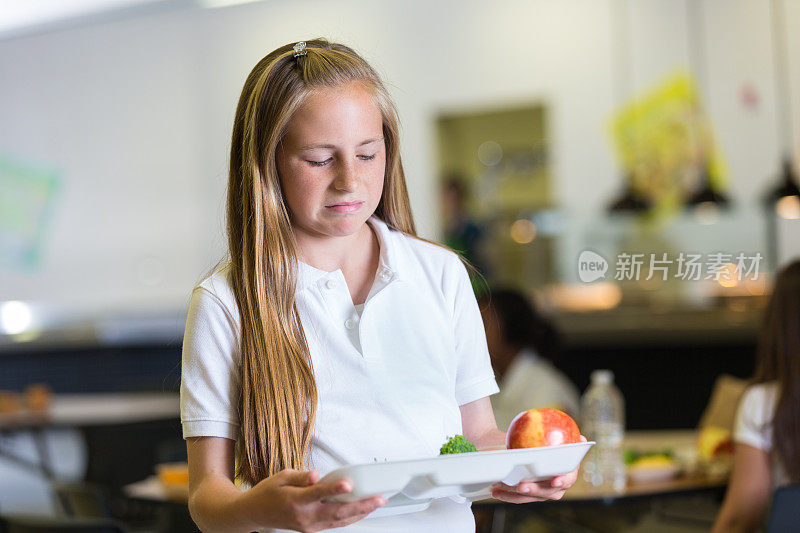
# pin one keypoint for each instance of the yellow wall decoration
(663, 138)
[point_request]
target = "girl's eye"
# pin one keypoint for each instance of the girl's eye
(367, 157)
(319, 163)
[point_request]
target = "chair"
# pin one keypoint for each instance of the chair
(721, 408)
(784, 514)
(81, 500)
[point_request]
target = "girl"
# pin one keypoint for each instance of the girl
(332, 335)
(767, 432)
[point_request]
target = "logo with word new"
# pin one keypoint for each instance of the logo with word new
(591, 266)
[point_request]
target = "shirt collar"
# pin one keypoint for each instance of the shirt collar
(388, 248)
(387, 262)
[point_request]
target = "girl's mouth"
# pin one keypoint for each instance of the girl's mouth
(345, 207)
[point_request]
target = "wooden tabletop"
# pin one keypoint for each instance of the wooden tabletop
(582, 491)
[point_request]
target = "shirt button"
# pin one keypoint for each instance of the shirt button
(349, 323)
(330, 284)
(386, 275)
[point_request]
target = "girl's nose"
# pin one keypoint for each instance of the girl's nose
(346, 178)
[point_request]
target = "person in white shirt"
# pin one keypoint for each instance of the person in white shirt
(522, 344)
(332, 335)
(767, 428)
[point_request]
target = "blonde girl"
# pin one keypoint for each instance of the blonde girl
(332, 335)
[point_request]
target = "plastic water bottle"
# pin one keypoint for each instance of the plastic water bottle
(603, 421)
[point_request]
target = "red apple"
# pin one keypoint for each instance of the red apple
(542, 427)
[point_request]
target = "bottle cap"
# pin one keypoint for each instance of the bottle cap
(603, 377)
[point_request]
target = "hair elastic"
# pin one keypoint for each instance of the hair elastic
(300, 49)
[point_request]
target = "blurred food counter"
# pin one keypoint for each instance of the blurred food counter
(634, 325)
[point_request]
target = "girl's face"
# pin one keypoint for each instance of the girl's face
(332, 161)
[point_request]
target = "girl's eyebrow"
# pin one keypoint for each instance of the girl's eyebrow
(333, 146)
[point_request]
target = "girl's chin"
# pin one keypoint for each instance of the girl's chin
(341, 227)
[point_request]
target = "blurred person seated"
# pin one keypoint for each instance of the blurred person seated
(767, 427)
(522, 344)
(462, 232)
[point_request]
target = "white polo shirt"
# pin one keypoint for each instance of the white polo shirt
(754, 424)
(390, 379)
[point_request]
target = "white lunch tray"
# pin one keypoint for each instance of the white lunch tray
(410, 485)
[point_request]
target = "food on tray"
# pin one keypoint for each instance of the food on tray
(653, 461)
(174, 479)
(651, 465)
(35, 400)
(457, 444)
(714, 443)
(409, 484)
(633, 457)
(542, 427)
(715, 451)
(38, 397)
(9, 402)
(173, 473)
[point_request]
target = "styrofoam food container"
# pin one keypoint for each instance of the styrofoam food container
(410, 485)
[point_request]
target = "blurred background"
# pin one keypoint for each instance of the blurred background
(586, 153)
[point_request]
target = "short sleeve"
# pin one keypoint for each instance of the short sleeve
(753, 418)
(474, 374)
(210, 385)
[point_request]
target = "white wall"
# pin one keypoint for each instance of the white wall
(137, 115)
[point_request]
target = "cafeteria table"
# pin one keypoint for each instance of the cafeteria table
(83, 411)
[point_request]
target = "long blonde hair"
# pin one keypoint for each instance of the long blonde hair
(278, 392)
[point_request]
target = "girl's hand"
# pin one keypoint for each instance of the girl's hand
(293, 499)
(536, 491)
